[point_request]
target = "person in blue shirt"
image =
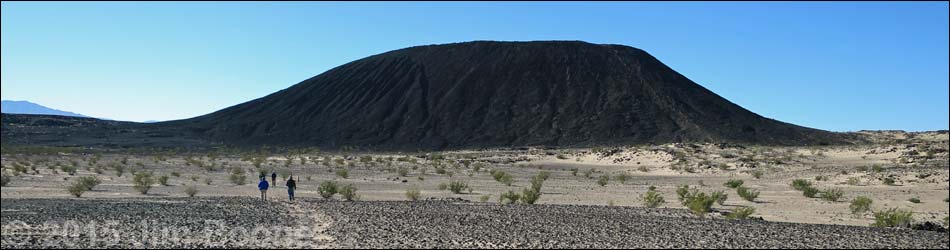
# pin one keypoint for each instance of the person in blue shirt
(263, 186)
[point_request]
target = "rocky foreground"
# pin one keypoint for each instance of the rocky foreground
(250, 223)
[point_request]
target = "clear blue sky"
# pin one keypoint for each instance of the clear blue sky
(842, 66)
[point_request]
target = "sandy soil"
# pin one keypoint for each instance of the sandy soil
(899, 167)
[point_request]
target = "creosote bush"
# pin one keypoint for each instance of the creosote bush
(603, 180)
(652, 199)
(801, 185)
(861, 205)
(532, 194)
(893, 218)
(741, 213)
(163, 180)
(4, 180)
(457, 187)
(720, 197)
(143, 182)
(697, 202)
(191, 191)
(509, 198)
(89, 182)
(349, 193)
(413, 194)
(328, 189)
(502, 177)
(734, 183)
(747, 194)
(77, 189)
(832, 195)
(343, 173)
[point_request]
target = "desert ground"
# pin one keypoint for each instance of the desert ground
(589, 197)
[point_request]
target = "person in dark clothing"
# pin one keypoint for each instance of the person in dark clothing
(263, 186)
(273, 178)
(291, 187)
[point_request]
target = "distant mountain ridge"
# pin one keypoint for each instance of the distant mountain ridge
(29, 108)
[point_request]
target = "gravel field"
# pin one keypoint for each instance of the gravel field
(313, 223)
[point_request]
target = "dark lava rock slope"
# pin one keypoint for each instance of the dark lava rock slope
(497, 94)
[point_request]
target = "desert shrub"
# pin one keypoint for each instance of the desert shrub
(77, 189)
(747, 194)
(877, 169)
(861, 168)
(163, 180)
(914, 200)
(652, 199)
(643, 169)
(239, 179)
(801, 185)
(723, 167)
(366, 159)
(861, 205)
(208, 181)
(757, 174)
(533, 194)
(484, 198)
(89, 182)
(403, 172)
(457, 187)
(562, 157)
(176, 174)
(734, 183)
(889, 181)
(821, 178)
(574, 171)
(832, 195)
(441, 171)
(544, 175)
(143, 182)
(509, 198)
(741, 213)
(502, 177)
(811, 192)
(18, 169)
(893, 218)
(349, 193)
(413, 194)
(854, 181)
(700, 203)
(284, 173)
(191, 191)
(328, 189)
(443, 186)
(343, 173)
(71, 170)
(506, 179)
(603, 180)
(682, 192)
(589, 174)
(622, 178)
(119, 169)
(4, 180)
(720, 197)
(530, 196)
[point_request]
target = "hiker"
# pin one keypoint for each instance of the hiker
(291, 187)
(273, 178)
(263, 186)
